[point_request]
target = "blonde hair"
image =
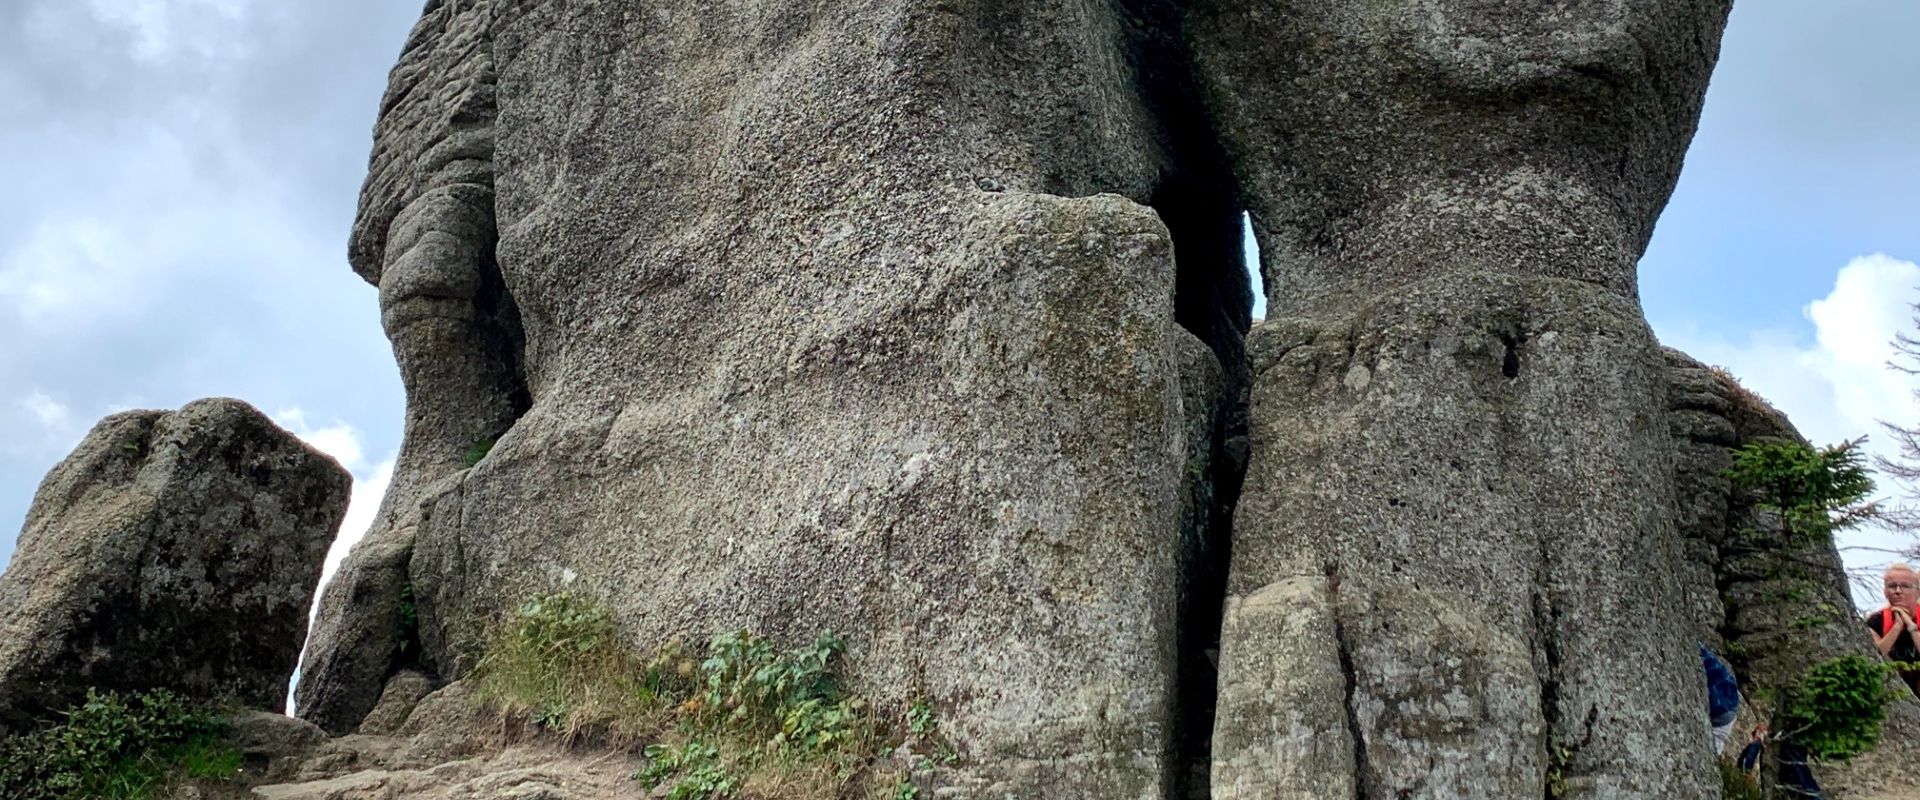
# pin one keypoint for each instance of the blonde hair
(1900, 565)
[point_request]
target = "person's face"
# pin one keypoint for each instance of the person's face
(1901, 591)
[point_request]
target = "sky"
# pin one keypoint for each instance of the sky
(179, 177)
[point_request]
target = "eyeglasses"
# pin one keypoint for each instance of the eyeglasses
(1907, 586)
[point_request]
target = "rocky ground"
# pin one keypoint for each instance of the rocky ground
(441, 747)
(444, 750)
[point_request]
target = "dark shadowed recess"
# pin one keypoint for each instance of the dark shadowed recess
(1213, 299)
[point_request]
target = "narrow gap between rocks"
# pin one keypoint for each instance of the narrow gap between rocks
(1211, 302)
(1198, 200)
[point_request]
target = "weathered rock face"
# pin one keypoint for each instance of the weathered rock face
(171, 549)
(923, 321)
(1458, 413)
(426, 236)
(834, 317)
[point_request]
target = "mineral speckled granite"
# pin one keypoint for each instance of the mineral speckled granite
(924, 321)
(174, 550)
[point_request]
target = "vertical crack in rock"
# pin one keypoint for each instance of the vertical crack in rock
(427, 235)
(1216, 467)
(1197, 199)
(1350, 676)
(1545, 620)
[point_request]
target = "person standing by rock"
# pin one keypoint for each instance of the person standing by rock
(1723, 697)
(1894, 631)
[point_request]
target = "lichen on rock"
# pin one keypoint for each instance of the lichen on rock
(172, 550)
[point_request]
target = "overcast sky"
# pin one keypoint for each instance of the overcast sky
(177, 178)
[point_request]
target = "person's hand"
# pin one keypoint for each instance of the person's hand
(1906, 619)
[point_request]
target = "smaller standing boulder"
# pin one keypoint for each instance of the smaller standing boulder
(171, 549)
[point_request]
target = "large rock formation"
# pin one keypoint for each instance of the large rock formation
(171, 550)
(832, 318)
(1458, 489)
(923, 321)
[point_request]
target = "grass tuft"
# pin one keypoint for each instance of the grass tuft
(1746, 402)
(742, 718)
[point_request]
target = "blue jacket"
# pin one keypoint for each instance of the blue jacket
(1723, 691)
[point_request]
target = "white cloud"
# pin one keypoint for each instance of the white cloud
(1872, 301)
(1836, 386)
(346, 445)
(162, 30)
(51, 414)
(64, 266)
(1250, 252)
(38, 427)
(341, 441)
(370, 481)
(368, 490)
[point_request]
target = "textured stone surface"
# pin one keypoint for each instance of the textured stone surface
(1283, 731)
(1379, 142)
(403, 692)
(1394, 453)
(922, 321)
(171, 549)
(526, 773)
(1455, 389)
(268, 735)
(813, 338)
(1007, 540)
(426, 235)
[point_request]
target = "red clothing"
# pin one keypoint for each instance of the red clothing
(1905, 649)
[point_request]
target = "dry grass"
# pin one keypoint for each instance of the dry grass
(743, 720)
(557, 663)
(1745, 402)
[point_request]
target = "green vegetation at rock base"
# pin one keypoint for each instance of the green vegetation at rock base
(740, 719)
(117, 747)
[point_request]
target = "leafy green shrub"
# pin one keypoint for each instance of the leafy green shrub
(694, 768)
(920, 717)
(1836, 711)
(407, 618)
(116, 746)
(793, 698)
(773, 720)
(475, 452)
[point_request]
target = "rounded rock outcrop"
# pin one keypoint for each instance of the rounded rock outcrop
(174, 550)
